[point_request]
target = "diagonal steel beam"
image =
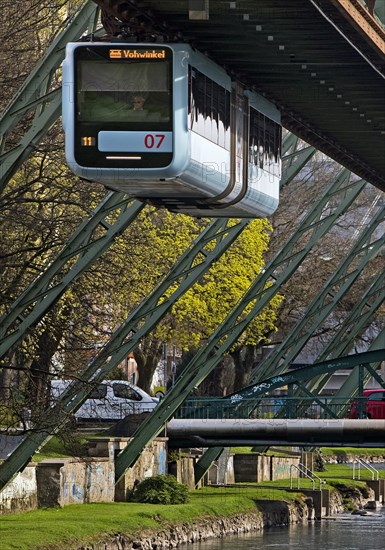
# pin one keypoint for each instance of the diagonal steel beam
(87, 243)
(34, 95)
(363, 251)
(206, 249)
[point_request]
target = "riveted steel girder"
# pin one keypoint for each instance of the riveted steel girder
(206, 249)
(87, 243)
(35, 95)
(363, 251)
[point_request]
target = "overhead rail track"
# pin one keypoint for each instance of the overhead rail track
(307, 56)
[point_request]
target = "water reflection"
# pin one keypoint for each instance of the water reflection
(345, 532)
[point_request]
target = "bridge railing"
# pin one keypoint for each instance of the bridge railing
(266, 407)
(360, 463)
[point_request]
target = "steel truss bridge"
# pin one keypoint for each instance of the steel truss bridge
(322, 62)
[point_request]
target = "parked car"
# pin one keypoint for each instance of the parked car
(109, 400)
(373, 404)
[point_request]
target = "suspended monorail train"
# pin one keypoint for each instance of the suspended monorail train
(168, 126)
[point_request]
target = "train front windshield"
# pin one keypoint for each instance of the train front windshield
(123, 101)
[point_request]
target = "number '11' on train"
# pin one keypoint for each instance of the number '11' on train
(168, 126)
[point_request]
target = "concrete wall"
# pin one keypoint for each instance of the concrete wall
(72, 481)
(258, 468)
(58, 482)
(183, 470)
(21, 494)
(152, 462)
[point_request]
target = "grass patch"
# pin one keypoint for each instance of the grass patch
(242, 450)
(344, 472)
(77, 524)
(61, 446)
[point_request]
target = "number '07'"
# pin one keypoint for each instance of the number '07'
(152, 141)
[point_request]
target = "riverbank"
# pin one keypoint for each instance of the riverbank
(267, 513)
(211, 512)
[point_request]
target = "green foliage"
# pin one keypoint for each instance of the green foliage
(160, 490)
(200, 310)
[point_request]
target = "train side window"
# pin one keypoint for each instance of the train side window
(210, 109)
(264, 142)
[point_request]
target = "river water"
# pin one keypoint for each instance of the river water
(343, 532)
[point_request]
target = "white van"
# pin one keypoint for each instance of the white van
(110, 400)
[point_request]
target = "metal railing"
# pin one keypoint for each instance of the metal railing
(306, 472)
(266, 407)
(361, 462)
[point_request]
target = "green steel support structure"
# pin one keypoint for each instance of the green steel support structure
(349, 387)
(37, 299)
(291, 256)
(315, 226)
(32, 305)
(366, 247)
(306, 373)
(358, 320)
(35, 95)
(207, 248)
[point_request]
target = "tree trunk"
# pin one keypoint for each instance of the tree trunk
(244, 359)
(147, 357)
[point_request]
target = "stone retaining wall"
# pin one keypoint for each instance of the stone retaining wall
(271, 513)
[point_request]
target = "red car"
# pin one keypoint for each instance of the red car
(373, 406)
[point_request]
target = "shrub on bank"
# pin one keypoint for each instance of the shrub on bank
(160, 490)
